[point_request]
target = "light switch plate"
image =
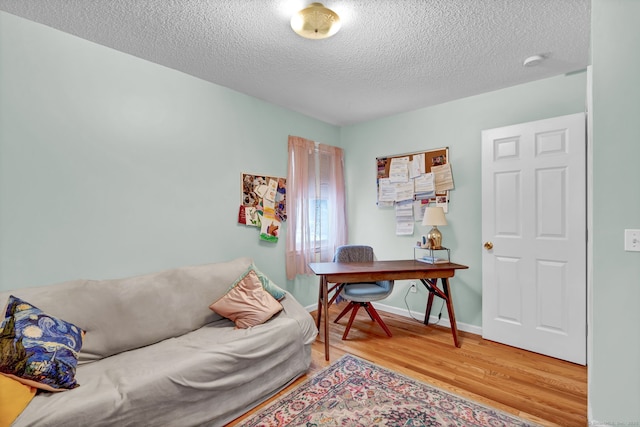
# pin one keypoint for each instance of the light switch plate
(632, 240)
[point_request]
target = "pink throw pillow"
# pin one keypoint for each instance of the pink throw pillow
(247, 304)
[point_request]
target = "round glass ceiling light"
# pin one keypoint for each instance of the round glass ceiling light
(315, 22)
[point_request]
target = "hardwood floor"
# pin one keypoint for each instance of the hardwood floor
(542, 389)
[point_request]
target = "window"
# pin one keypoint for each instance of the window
(318, 221)
(316, 211)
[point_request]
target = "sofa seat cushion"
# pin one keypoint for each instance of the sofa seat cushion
(205, 377)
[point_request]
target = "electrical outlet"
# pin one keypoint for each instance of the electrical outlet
(414, 287)
(632, 240)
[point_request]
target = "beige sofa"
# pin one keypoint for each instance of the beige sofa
(155, 354)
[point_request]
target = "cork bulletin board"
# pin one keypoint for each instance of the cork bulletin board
(418, 164)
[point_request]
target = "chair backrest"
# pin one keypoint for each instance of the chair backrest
(359, 253)
(353, 253)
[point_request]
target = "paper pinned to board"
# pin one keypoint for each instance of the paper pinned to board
(443, 177)
(416, 166)
(404, 191)
(424, 186)
(270, 227)
(399, 169)
(386, 191)
(404, 218)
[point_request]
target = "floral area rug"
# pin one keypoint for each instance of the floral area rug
(356, 393)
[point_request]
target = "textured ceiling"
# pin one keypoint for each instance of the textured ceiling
(390, 56)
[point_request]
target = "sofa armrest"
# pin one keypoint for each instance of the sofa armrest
(296, 311)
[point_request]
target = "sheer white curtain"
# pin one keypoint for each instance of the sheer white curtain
(316, 207)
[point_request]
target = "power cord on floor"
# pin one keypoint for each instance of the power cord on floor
(406, 303)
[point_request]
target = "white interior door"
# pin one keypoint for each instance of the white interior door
(534, 285)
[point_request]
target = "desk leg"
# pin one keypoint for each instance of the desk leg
(452, 315)
(319, 309)
(445, 294)
(430, 284)
(427, 313)
(325, 308)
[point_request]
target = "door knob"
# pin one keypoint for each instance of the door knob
(488, 245)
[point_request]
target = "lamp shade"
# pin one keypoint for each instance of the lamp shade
(315, 22)
(434, 216)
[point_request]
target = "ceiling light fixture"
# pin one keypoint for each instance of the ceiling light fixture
(315, 22)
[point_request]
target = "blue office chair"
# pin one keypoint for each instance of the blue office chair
(361, 294)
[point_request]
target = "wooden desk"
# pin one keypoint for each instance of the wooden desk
(353, 272)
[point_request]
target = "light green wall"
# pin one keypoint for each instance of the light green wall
(614, 371)
(112, 166)
(458, 125)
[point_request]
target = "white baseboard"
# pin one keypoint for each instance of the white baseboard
(432, 319)
(420, 317)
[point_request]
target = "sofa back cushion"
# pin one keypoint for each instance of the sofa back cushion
(124, 314)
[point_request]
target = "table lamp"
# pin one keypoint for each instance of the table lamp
(434, 216)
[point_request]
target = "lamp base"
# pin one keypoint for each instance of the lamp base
(434, 238)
